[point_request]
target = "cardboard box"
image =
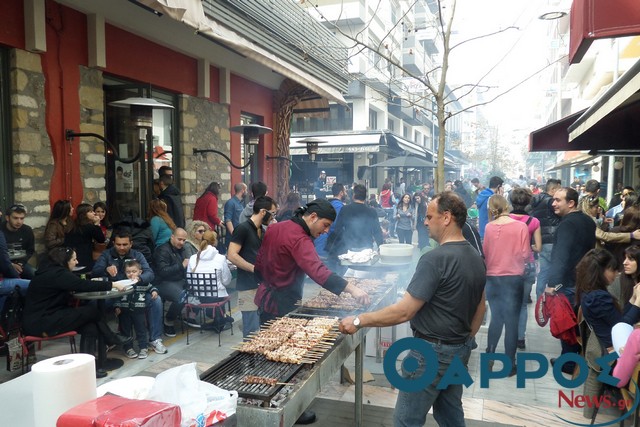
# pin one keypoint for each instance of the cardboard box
(116, 411)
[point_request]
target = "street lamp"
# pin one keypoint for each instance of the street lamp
(312, 146)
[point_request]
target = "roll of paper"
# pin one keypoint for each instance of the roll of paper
(59, 384)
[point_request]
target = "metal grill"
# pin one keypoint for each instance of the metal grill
(376, 299)
(229, 375)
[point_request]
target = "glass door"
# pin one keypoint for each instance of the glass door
(140, 150)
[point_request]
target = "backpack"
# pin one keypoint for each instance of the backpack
(11, 314)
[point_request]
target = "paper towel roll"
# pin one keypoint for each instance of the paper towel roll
(59, 384)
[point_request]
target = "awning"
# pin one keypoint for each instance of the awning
(553, 137)
(192, 13)
(399, 143)
(623, 97)
(596, 19)
(348, 142)
(572, 162)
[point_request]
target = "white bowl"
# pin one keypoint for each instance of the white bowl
(396, 253)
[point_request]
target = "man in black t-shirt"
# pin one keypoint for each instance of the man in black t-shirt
(20, 241)
(243, 248)
(445, 305)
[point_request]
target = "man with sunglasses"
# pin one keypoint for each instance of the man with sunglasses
(20, 241)
(243, 249)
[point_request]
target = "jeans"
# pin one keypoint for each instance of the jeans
(544, 262)
(412, 408)
(522, 322)
(505, 299)
(134, 320)
(172, 291)
(250, 322)
(154, 310)
(404, 236)
(392, 221)
(7, 286)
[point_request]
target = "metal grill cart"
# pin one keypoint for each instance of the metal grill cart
(264, 405)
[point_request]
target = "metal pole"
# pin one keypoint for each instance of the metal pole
(359, 386)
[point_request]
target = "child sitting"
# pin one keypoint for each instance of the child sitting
(132, 310)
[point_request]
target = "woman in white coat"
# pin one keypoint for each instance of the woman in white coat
(209, 260)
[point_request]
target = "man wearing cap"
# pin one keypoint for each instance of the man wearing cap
(20, 241)
(318, 186)
(287, 254)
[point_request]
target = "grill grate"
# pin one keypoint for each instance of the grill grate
(230, 373)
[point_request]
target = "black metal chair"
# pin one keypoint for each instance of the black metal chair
(200, 288)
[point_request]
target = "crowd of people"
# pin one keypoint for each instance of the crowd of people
(567, 241)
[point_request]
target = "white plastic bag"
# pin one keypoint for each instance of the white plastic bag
(202, 404)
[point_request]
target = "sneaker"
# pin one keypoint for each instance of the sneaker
(158, 346)
(131, 353)
(143, 353)
(192, 323)
(169, 331)
(521, 345)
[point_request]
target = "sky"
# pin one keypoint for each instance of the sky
(504, 60)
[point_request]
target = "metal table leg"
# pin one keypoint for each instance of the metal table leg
(358, 397)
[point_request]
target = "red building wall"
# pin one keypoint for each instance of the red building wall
(128, 56)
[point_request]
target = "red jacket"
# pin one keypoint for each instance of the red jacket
(286, 255)
(206, 209)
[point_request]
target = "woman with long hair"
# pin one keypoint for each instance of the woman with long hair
(293, 202)
(624, 338)
(420, 209)
(206, 208)
(47, 311)
(162, 225)
(520, 198)
(209, 260)
(195, 231)
(84, 232)
(594, 273)
(100, 209)
(405, 219)
(506, 248)
(601, 310)
(58, 225)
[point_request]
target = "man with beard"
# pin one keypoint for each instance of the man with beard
(243, 249)
(287, 256)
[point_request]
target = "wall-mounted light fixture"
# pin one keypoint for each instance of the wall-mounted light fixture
(595, 167)
(618, 164)
(251, 137)
(312, 146)
(141, 113)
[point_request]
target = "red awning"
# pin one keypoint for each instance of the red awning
(553, 137)
(597, 19)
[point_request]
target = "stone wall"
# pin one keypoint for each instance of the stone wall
(203, 124)
(92, 150)
(30, 144)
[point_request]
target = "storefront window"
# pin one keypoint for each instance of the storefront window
(6, 182)
(339, 117)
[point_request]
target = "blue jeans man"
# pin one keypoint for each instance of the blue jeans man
(412, 407)
(544, 262)
(7, 285)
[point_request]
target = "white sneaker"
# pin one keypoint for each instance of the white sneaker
(143, 353)
(158, 347)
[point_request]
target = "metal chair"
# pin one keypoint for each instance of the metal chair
(204, 286)
(26, 340)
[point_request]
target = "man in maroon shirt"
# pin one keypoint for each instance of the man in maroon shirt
(287, 254)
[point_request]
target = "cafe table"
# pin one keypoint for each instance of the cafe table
(104, 363)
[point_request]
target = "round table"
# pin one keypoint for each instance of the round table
(103, 363)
